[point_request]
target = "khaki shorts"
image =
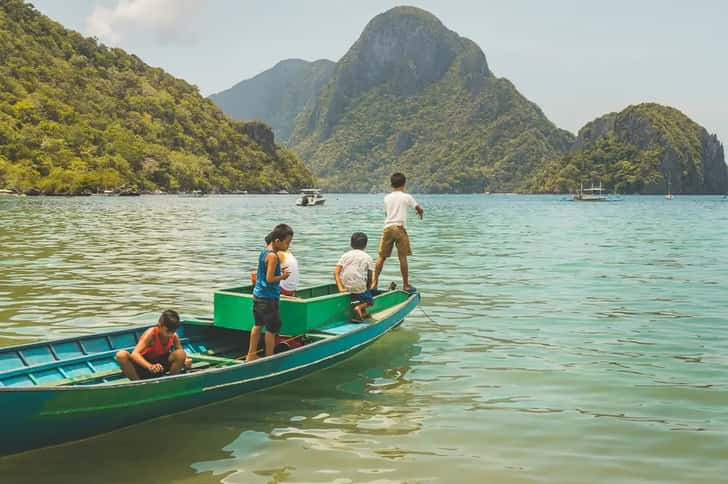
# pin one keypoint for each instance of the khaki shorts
(394, 235)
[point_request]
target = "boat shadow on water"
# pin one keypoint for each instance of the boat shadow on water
(215, 438)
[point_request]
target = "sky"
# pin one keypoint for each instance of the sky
(576, 59)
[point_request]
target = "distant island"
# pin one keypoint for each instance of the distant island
(79, 117)
(412, 95)
(639, 150)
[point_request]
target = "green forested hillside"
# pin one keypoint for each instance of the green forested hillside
(77, 116)
(412, 95)
(639, 150)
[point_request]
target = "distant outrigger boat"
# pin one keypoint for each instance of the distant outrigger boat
(192, 194)
(71, 388)
(310, 197)
(593, 194)
(104, 193)
(668, 196)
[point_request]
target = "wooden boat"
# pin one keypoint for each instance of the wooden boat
(71, 388)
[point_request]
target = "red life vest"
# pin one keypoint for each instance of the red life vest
(158, 350)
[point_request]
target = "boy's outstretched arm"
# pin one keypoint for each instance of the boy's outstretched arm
(337, 278)
(420, 211)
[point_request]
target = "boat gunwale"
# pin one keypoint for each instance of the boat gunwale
(221, 368)
(230, 291)
(68, 339)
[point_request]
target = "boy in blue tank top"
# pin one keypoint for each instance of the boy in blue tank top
(267, 291)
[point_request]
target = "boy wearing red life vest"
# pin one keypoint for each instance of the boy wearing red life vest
(158, 351)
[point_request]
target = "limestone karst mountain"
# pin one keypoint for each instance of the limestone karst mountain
(639, 150)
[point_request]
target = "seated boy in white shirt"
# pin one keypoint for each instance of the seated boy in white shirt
(353, 273)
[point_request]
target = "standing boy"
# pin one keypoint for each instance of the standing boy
(267, 291)
(353, 273)
(395, 229)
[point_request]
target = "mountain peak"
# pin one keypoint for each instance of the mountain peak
(401, 52)
(407, 47)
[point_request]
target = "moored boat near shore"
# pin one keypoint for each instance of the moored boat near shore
(310, 197)
(593, 194)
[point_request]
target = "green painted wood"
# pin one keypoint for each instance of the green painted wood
(215, 359)
(312, 308)
(86, 378)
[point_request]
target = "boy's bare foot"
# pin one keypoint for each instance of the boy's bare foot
(251, 357)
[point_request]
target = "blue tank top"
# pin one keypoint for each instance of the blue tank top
(264, 289)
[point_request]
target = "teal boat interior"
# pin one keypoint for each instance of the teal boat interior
(90, 359)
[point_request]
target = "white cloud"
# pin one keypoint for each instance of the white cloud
(166, 18)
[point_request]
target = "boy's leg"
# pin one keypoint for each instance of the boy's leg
(177, 360)
(362, 312)
(127, 365)
(359, 310)
(253, 346)
(270, 343)
(404, 269)
(272, 326)
(385, 250)
(377, 270)
(403, 251)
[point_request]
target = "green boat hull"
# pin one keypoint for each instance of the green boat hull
(45, 414)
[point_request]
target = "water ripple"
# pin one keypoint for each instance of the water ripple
(554, 340)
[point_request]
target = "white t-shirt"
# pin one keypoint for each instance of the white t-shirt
(354, 266)
(395, 206)
(290, 262)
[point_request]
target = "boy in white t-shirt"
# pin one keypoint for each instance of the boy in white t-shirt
(290, 263)
(353, 273)
(395, 229)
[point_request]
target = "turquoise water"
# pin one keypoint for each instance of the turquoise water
(556, 341)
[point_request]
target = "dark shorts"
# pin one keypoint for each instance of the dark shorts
(363, 297)
(266, 313)
(145, 374)
(391, 236)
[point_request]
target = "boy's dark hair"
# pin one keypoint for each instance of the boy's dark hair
(398, 180)
(170, 319)
(280, 232)
(359, 240)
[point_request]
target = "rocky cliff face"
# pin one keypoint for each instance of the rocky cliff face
(412, 95)
(406, 48)
(277, 95)
(682, 151)
(715, 173)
